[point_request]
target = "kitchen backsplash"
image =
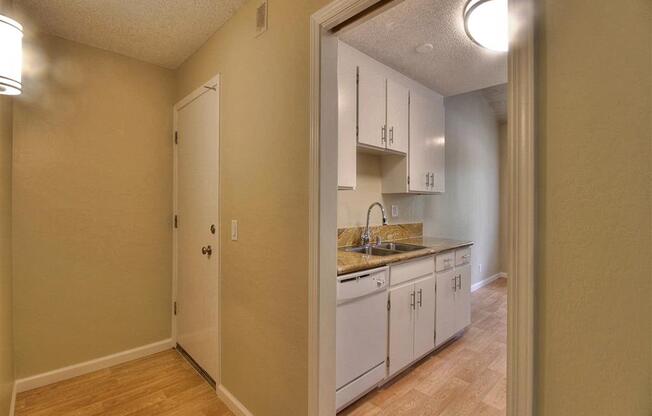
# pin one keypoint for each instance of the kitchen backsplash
(352, 236)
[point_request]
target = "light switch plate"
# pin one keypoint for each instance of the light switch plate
(394, 211)
(234, 230)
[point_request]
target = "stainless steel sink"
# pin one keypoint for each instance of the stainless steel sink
(384, 249)
(371, 250)
(400, 247)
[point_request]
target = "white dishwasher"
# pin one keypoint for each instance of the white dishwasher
(361, 333)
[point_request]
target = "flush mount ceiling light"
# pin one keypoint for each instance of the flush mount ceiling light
(485, 22)
(11, 56)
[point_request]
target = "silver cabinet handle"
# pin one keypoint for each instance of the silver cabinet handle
(427, 180)
(458, 279)
(454, 279)
(432, 181)
(420, 298)
(383, 134)
(413, 303)
(391, 135)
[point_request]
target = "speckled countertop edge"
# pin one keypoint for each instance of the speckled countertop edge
(348, 262)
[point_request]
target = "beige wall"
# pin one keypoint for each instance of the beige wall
(593, 272)
(6, 282)
(92, 203)
(264, 185)
(352, 205)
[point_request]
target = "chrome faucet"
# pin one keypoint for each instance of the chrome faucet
(366, 236)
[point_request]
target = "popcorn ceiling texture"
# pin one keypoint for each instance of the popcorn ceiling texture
(160, 32)
(455, 66)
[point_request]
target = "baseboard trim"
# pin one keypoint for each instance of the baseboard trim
(486, 281)
(231, 402)
(12, 405)
(40, 380)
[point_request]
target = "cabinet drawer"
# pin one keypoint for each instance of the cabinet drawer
(462, 256)
(444, 261)
(410, 270)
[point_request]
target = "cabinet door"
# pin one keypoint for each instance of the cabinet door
(346, 117)
(398, 98)
(371, 107)
(436, 146)
(424, 321)
(401, 327)
(446, 320)
(419, 158)
(463, 297)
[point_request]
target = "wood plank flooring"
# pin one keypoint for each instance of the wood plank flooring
(163, 384)
(466, 378)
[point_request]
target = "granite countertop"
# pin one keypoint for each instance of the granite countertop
(348, 262)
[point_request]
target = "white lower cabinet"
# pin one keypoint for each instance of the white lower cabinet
(463, 297)
(424, 323)
(401, 327)
(453, 304)
(446, 321)
(411, 313)
(429, 303)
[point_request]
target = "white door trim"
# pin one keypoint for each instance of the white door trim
(521, 141)
(521, 210)
(213, 83)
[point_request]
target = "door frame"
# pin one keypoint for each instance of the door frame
(323, 215)
(211, 84)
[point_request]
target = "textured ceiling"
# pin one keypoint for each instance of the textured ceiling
(454, 66)
(496, 96)
(162, 32)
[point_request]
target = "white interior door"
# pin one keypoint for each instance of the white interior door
(197, 234)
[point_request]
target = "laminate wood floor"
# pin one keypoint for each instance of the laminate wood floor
(163, 384)
(468, 377)
(465, 378)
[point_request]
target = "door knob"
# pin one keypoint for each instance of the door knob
(208, 250)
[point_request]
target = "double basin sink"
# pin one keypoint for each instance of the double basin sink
(384, 249)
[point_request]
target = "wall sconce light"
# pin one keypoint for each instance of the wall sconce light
(11, 56)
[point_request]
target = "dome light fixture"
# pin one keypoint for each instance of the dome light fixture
(486, 23)
(11, 56)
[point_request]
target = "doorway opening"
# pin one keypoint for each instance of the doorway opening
(420, 124)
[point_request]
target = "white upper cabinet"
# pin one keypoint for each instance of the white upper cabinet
(346, 118)
(398, 104)
(427, 144)
(371, 107)
(436, 146)
(383, 111)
